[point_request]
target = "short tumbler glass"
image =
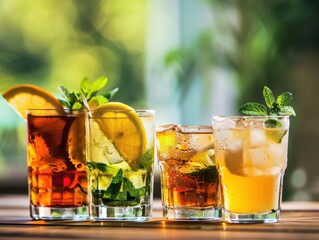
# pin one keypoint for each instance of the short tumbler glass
(57, 177)
(251, 157)
(120, 164)
(189, 178)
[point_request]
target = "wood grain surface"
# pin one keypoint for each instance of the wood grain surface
(299, 220)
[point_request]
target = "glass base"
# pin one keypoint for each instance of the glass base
(187, 213)
(106, 213)
(53, 213)
(270, 217)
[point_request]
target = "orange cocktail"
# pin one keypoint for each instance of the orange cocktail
(251, 158)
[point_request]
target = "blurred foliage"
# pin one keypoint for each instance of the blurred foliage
(53, 42)
(257, 41)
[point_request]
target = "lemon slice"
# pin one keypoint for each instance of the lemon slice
(24, 97)
(77, 141)
(123, 127)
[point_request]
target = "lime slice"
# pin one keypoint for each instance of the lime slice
(200, 160)
(206, 158)
(137, 178)
(276, 134)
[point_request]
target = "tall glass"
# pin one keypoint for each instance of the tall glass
(120, 164)
(251, 156)
(189, 178)
(57, 176)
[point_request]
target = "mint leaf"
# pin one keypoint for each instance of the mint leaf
(97, 85)
(284, 99)
(253, 109)
(111, 94)
(77, 106)
(65, 103)
(76, 100)
(268, 96)
(147, 159)
(65, 93)
(278, 107)
(99, 99)
(85, 86)
(286, 111)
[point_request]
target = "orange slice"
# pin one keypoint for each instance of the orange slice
(125, 130)
(25, 96)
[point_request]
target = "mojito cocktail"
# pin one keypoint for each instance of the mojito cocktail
(189, 178)
(251, 156)
(120, 163)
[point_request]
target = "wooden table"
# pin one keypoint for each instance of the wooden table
(299, 220)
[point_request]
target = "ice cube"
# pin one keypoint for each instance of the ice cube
(256, 123)
(258, 158)
(278, 154)
(242, 123)
(224, 123)
(167, 127)
(257, 137)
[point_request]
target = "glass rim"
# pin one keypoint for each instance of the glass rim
(249, 117)
(187, 128)
(124, 110)
(53, 112)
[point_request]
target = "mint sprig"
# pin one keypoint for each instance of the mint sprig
(274, 107)
(75, 100)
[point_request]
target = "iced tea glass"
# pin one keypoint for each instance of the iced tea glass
(57, 178)
(251, 156)
(189, 178)
(120, 164)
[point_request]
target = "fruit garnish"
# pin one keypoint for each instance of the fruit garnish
(205, 157)
(88, 92)
(277, 107)
(276, 135)
(123, 127)
(77, 141)
(25, 96)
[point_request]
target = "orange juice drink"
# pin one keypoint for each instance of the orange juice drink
(251, 157)
(189, 177)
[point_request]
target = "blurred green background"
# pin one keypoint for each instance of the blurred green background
(187, 59)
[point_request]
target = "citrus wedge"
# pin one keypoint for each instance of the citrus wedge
(276, 135)
(24, 97)
(123, 127)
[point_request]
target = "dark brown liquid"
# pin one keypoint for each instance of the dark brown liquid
(195, 189)
(56, 161)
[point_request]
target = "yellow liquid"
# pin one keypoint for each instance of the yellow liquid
(250, 194)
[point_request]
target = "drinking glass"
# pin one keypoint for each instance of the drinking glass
(120, 164)
(251, 157)
(189, 178)
(57, 178)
